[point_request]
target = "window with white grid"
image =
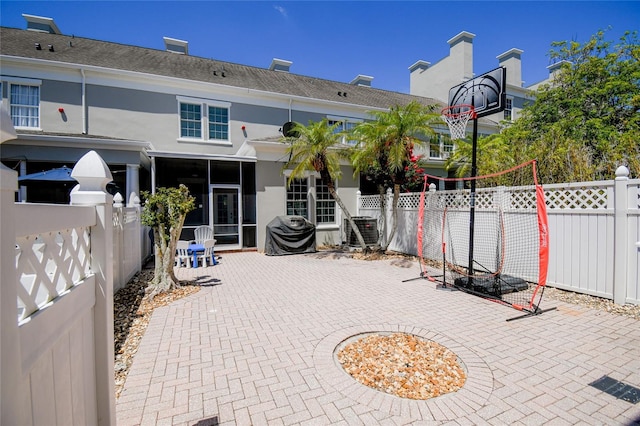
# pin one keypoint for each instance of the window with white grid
(440, 147)
(24, 101)
(325, 204)
(204, 120)
(297, 199)
(508, 109)
(344, 125)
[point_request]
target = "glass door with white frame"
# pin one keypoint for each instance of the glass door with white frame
(226, 208)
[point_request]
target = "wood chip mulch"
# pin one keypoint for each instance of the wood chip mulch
(403, 365)
(132, 312)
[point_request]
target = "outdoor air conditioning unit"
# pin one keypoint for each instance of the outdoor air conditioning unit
(368, 227)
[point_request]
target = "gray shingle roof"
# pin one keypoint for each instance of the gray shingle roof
(83, 51)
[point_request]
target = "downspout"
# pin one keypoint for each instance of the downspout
(84, 102)
(290, 102)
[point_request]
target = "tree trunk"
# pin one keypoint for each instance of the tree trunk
(383, 215)
(394, 215)
(164, 278)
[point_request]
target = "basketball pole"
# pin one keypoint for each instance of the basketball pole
(472, 198)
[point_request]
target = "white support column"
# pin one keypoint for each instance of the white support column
(92, 175)
(620, 235)
(132, 181)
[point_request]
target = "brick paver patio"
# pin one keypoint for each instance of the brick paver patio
(255, 347)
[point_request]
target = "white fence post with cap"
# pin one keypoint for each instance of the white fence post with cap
(620, 232)
(93, 175)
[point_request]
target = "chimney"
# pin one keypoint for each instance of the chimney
(419, 65)
(176, 46)
(41, 24)
(280, 65)
(554, 68)
(512, 61)
(362, 80)
(461, 53)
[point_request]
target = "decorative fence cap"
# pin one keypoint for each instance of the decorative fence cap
(92, 172)
(134, 200)
(622, 171)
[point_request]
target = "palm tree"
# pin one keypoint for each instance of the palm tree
(317, 147)
(386, 147)
(494, 154)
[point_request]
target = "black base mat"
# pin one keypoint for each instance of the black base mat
(496, 286)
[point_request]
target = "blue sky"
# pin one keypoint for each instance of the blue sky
(338, 40)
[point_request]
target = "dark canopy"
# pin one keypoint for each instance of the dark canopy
(290, 235)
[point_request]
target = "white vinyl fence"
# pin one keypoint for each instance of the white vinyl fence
(127, 241)
(594, 233)
(58, 268)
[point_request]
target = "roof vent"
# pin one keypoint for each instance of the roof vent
(362, 80)
(176, 46)
(41, 24)
(280, 65)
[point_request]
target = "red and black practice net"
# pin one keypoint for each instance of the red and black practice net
(492, 242)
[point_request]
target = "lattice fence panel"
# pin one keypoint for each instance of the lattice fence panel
(409, 201)
(522, 198)
(485, 199)
(583, 197)
(370, 202)
(48, 265)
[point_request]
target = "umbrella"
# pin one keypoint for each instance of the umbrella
(61, 174)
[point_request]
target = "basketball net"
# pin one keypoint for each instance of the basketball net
(457, 117)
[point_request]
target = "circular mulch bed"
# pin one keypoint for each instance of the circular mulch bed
(403, 365)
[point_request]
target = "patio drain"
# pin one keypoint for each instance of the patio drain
(617, 389)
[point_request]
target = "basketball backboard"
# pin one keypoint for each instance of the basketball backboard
(486, 92)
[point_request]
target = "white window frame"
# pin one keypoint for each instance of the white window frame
(204, 104)
(310, 176)
(286, 196)
(331, 200)
(508, 109)
(344, 123)
(25, 82)
(445, 147)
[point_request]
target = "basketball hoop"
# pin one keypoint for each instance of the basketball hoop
(457, 117)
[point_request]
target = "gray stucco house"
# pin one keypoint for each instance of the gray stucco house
(164, 117)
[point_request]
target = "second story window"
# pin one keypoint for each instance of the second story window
(218, 123)
(440, 147)
(344, 125)
(190, 121)
(204, 120)
(508, 109)
(25, 105)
